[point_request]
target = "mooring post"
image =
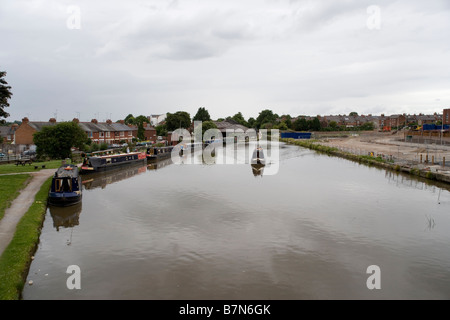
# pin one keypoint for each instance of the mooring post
(432, 160)
(443, 161)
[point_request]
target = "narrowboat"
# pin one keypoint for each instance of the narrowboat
(159, 153)
(258, 156)
(110, 161)
(66, 186)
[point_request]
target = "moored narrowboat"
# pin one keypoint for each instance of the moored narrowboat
(66, 188)
(110, 161)
(159, 153)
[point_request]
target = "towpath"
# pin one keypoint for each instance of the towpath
(20, 205)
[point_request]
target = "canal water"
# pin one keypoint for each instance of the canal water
(311, 231)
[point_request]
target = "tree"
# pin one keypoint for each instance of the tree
(5, 95)
(202, 115)
(281, 126)
(251, 122)
(129, 119)
(300, 124)
(206, 125)
(161, 130)
(56, 141)
(140, 120)
(180, 119)
(140, 131)
(314, 124)
(353, 114)
(240, 119)
(265, 117)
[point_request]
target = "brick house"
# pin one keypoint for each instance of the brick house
(398, 120)
(446, 116)
(7, 133)
(24, 133)
(149, 133)
(106, 132)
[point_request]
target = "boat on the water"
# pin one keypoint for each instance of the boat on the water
(108, 161)
(66, 186)
(159, 153)
(258, 156)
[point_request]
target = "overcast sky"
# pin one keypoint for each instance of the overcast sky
(106, 59)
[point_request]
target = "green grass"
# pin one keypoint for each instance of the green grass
(9, 189)
(16, 259)
(12, 168)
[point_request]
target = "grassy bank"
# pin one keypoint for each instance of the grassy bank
(9, 189)
(16, 259)
(368, 160)
(12, 168)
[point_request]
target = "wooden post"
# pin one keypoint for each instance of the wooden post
(443, 161)
(426, 159)
(421, 158)
(432, 160)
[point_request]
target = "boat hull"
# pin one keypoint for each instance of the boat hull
(64, 199)
(97, 166)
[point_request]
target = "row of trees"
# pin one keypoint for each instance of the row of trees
(265, 120)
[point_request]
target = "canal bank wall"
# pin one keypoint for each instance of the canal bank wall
(418, 171)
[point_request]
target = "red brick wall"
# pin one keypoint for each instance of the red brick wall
(446, 116)
(24, 134)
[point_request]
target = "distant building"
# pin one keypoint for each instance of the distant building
(446, 116)
(156, 119)
(24, 133)
(7, 133)
(107, 132)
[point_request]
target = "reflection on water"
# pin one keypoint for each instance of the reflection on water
(65, 217)
(159, 164)
(102, 179)
(216, 232)
(257, 169)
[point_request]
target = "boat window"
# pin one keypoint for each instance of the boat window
(58, 185)
(67, 185)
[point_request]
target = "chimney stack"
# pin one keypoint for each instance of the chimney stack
(25, 120)
(52, 120)
(76, 120)
(109, 121)
(94, 121)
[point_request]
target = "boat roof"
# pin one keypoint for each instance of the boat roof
(116, 155)
(65, 171)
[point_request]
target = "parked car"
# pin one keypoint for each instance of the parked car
(29, 153)
(2, 155)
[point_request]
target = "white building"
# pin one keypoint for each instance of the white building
(156, 119)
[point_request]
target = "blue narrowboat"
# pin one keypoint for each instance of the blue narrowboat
(66, 186)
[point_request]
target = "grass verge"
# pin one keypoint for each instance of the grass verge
(15, 260)
(9, 189)
(12, 168)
